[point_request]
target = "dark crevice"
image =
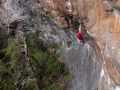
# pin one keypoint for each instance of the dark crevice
(2, 55)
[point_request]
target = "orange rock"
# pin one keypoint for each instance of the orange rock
(102, 20)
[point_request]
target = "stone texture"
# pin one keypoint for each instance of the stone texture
(93, 66)
(101, 20)
(85, 67)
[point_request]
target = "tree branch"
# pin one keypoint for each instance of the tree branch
(28, 60)
(47, 77)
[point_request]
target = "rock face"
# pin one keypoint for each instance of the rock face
(85, 67)
(94, 65)
(101, 20)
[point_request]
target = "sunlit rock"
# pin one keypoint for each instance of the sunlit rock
(94, 65)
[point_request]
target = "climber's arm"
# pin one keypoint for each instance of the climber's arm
(80, 28)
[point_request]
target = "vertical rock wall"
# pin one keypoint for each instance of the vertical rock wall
(85, 67)
(101, 21)
(92, 67)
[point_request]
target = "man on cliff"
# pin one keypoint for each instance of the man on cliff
(79, 36)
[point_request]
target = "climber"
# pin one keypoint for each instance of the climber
(79, 36)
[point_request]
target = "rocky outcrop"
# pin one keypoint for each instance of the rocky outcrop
(61, 11)
(101, 21)
(90, 70)
(85, 66)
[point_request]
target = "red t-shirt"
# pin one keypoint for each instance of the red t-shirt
(79, 36)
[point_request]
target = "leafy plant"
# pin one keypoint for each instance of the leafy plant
(14, 69)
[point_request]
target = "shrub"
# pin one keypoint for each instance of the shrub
(14, 68)
(54, 75)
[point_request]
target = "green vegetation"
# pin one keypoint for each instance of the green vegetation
(69, 44)
(14, 69)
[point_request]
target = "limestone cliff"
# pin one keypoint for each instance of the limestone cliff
(93, 66)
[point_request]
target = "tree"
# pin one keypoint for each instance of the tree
(28, 65)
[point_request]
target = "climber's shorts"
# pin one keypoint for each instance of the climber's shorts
(81, 41)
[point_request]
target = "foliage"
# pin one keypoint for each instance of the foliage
(69, 44)
(14, 70)
(30, 85)
(3, 38)
(34, 43)
(53, 87)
